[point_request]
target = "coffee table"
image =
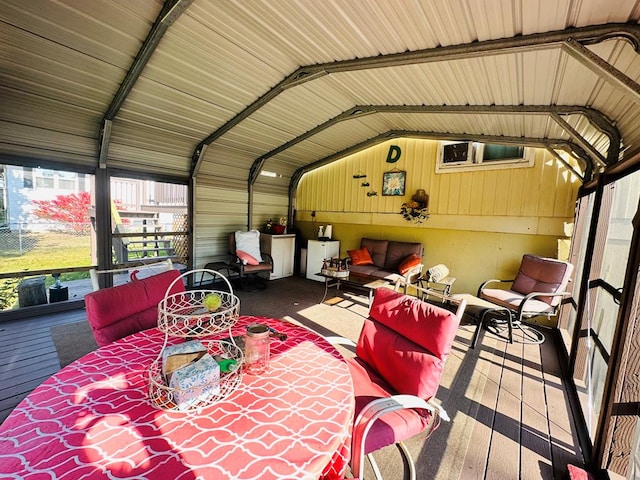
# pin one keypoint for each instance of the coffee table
(361, 282)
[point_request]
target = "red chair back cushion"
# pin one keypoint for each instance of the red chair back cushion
(406, 341)
(117, 312)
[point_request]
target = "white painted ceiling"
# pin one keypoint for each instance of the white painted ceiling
(217, 95)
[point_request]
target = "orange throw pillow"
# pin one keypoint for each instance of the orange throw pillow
(360, 257)
(408, 263)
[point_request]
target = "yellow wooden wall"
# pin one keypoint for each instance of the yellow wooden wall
(480, 224)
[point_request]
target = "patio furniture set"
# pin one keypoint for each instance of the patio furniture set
(99, 417)
(310, 414)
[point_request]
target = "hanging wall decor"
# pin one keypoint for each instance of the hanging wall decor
(393, 183)
(412, 212)
(394, 154)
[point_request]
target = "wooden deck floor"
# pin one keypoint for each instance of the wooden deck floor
(510, 414)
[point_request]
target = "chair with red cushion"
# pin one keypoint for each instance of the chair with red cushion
(537, 290)
(117, 312)
(247, 267)
(400, 356)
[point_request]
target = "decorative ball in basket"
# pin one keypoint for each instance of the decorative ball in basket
(192, 375)
(195, 313)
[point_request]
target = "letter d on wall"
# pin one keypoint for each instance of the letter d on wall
(394, 154)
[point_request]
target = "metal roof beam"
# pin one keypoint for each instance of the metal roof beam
(594, 116)
(584, 35)
(525, 141)
(171, 10)
(602, 68)
(593, 153)
(565, 163)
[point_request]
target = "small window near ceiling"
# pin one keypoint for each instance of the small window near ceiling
(466, 156)
(490, 152)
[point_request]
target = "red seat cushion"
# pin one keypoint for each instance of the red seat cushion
(401, 350)
(430, 326)
(391, 427)
(405, 365)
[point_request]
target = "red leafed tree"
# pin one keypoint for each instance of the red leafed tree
(71, 209)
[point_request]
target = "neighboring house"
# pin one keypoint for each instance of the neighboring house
(20, 186)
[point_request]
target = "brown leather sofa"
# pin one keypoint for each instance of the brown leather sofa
(387, 257)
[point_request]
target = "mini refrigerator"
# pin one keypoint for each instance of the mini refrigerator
(317, 252)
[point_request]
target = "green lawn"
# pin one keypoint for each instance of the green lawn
(40, 251)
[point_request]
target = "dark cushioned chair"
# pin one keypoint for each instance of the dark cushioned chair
(537, 290)
(249, 278)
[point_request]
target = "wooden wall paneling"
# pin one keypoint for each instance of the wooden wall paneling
(502, 192)
(518, 191)
(453, 198)
(489, 199)
(547, 185)
(464, 197)
(532, 180)
(476, 192)
(444, 194)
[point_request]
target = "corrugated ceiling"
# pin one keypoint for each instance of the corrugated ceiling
(218, 77)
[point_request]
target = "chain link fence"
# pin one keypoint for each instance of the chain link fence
(46, 247)
(19, 238)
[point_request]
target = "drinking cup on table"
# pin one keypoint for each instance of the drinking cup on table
(257, 348)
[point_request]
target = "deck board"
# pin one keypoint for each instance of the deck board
(476, 459)
(564, 446)
(510, 412)
(504, 452)
(535, 439)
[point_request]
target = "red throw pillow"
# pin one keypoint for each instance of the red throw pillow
(360, 257)
(246, 259)
(408, 263)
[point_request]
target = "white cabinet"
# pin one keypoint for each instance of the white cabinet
(282, 250)
(317, 252)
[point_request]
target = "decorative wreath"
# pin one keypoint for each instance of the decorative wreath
(413, 212)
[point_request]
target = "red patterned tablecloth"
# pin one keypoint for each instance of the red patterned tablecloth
(93, 419)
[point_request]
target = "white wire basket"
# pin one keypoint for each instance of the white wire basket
(183, 314)
(202, 396)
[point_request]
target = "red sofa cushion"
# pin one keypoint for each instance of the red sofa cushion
(116, 312)
(377, 249)
(408, 263)
(360, 257)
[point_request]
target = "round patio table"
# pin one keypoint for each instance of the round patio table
(93, 419)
